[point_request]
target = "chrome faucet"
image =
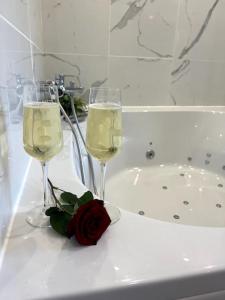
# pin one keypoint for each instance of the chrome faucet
(20, 91)
(71, 89)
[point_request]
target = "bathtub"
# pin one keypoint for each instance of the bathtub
(168, 181)
(172, 165)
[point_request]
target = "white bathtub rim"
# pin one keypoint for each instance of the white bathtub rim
(212, 109)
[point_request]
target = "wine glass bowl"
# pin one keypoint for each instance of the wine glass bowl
(104, 133)
(42, 130)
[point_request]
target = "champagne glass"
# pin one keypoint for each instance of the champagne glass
(103, 135)
(42, 138)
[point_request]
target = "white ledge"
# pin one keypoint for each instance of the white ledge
(137, 258)
(172, 108)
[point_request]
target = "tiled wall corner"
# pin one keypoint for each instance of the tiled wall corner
(20, 38)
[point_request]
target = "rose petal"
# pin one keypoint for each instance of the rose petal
(89, 223)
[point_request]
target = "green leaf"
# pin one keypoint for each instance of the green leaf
(69, 198)
(52, 211)
(68, 208)
(85, 198)
(59, 222)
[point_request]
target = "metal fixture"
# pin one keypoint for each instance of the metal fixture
(176, 217)
(72, 89)
(141, 212)
(150, 154)
(90, 163)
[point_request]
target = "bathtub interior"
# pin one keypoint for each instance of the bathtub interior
(187, 138)
(184, 180)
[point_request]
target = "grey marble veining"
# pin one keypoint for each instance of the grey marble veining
(133, 10)
(198, 36)
(199, 62)
(97, 83)
(174, 102)
(76, 68)
(142, 45)
(183, 65)
(135, 27)
(148, 60)
(56, 57)
(24, 2)
(113, 1)
(85, 71)
(181, 70)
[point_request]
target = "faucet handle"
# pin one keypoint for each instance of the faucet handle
(46, 82)
(60, 78)
(18, 77)
(60, 81)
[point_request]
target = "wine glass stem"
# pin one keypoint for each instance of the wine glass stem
(102, 180)
(44, 166)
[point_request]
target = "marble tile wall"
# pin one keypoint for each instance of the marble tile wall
(21, 39)
(160, 52)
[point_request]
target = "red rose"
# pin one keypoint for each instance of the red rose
(89, 223)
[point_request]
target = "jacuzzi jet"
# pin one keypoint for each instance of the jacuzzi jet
(150, 154)
(176, 217)
(141, 212)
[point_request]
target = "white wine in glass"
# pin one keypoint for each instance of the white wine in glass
(104, 133)
(42, 138)
(42, 130)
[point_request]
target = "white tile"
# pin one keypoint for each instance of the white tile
(201, 30)
(38, 65)
(143, 28)
(13, 161)
(143, 81)
(198, 83)
(11, 40)
(35, 22)
(16, 12)
(14, 65)
(79, 26)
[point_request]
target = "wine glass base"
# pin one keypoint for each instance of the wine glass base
(37, 218)
(113, 212)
